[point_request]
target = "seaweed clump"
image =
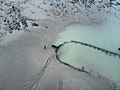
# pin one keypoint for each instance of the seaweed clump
(11, 18)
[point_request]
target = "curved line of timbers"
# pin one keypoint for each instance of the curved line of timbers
(84, 44)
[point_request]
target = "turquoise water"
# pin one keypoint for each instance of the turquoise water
(81, 56)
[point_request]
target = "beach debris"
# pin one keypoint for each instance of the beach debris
(35, 24)
(46, 27)
(45, 47)
(119, 49)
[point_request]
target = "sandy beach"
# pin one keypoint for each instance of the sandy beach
(28, 62)
(23, 59)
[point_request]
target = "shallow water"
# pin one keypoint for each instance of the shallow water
(101, 36)
(79, 56)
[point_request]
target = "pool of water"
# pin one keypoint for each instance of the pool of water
(78, 55)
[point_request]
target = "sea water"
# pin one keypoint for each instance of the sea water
(103, 36)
